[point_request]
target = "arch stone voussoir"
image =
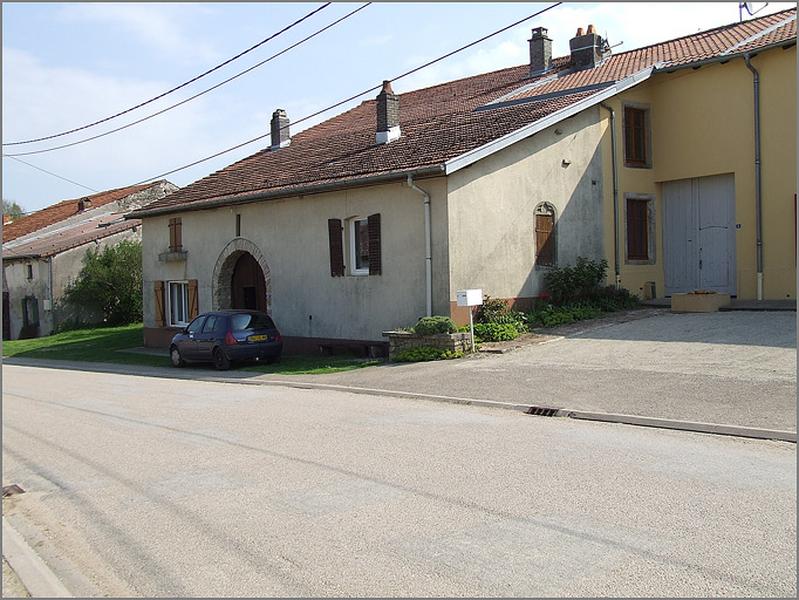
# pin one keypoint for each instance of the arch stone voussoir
(223, 272)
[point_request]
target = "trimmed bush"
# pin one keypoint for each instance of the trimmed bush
(425, 353)
(434, 325)
(579, 282)
(495, 332)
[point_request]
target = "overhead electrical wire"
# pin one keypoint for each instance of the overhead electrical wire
(355, 96)
(50, 173)
(177, 87)
(197, 95)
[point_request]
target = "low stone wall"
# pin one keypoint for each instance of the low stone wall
(399, 341)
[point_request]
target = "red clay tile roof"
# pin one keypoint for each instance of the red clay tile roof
(70, 236)
(63, 210)
(440, 123)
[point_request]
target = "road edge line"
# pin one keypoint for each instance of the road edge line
(32, 571)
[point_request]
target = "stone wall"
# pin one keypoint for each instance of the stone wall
(399, 341)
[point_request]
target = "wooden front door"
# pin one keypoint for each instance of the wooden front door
(248, 286)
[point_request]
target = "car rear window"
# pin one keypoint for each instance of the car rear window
(251, 321)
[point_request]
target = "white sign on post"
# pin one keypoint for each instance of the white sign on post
(470, 298)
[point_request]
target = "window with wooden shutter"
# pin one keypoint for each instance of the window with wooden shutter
(375, 258)
(334, 232)
(637, 229)
(636, 137)
(160, 315)
(545, 235)
(194, 303)
(175, 235)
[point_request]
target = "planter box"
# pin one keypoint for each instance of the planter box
(698, 303)
(399, 341)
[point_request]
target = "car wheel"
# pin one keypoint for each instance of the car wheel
(176, 358)
(221, 362)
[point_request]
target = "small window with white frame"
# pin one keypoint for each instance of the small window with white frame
(178, 302)
(359, 246)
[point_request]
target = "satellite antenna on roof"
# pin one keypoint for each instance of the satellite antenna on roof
(750, 8)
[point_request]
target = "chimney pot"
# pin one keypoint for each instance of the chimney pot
(281, 136)
(540, 51)
(586, 49)
(388, 124)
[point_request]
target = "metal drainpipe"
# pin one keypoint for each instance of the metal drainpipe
(614, 168)
(758, 193)
(52, 302)
(428, 244)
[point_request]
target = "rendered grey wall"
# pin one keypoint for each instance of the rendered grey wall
(491, 208)
(292, 235)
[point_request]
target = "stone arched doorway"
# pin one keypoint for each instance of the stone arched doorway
(242, 278)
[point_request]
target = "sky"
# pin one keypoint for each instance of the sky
(68, 64)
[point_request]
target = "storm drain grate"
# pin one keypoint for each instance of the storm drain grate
(542, 411)
(12, 490)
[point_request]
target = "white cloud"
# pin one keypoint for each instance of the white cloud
(32, 107)
(157, 26)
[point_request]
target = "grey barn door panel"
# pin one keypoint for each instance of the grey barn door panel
(699, 234)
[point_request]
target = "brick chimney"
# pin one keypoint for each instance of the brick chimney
(388, 125)
(540, 51)
(586, 48)
(280, 129)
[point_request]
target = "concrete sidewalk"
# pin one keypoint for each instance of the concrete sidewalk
(736, 368)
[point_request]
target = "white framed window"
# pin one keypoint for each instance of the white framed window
(359, 246)
(178, 302)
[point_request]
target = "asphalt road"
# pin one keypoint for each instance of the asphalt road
(159, 487)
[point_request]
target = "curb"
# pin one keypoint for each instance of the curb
(35, 575)
(655, 422)
(694, 426)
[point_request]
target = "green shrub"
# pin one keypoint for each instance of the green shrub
(495, 332)
(425, 353)
(611, 298)
(433, 325)
(492, 310)
(110, 283)
(578, 282)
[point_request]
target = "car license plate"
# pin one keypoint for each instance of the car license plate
(258, 338)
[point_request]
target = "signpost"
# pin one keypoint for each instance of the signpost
(470, 298)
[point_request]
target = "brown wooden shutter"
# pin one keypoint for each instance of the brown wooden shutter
(544, 240)
(336, 247)
(194, 304)
(160, 317)
(375, 253)
(178, 235)
(171, 235)
(637, 229)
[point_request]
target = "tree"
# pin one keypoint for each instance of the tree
(12, 209)
(110, 283)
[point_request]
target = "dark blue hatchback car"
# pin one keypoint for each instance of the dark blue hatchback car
(227, 336)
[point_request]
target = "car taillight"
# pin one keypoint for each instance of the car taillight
(229, 339)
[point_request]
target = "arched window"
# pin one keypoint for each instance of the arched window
(545, 243)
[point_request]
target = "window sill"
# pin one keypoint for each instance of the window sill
(629, 165)
(364, 273)
(639, 261)
(170, 256)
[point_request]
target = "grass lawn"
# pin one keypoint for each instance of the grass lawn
(109, 345)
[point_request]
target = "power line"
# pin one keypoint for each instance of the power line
(50, 173)
(355, 96)
(177, 87)
(189, 99)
